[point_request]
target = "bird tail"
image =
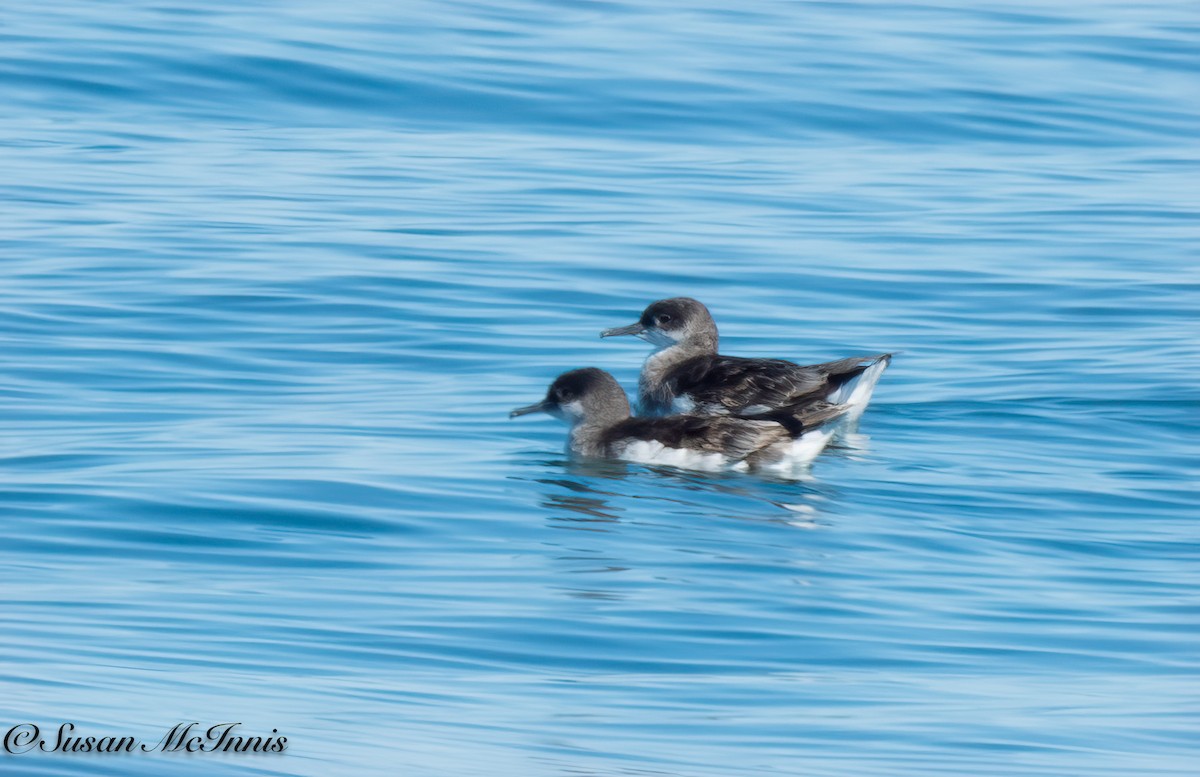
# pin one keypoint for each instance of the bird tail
(860, 376)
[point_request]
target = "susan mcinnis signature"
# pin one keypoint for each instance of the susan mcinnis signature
(180, 738)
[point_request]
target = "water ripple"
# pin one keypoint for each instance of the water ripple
(274, 275)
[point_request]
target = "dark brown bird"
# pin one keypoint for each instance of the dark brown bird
(595, 406)
(687, 375)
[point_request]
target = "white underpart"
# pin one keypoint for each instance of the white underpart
(654, 452)
(792, 459)
(800, 453)
(857, 393)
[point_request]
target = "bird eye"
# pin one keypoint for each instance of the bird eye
(663, 318)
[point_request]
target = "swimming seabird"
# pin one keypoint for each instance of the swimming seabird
(685, 374)
(595, 406)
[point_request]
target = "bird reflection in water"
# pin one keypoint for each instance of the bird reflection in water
(595, 495)
(584, 503)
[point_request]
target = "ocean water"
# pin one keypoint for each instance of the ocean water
(273, 273)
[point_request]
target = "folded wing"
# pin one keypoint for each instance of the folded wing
(740, 386)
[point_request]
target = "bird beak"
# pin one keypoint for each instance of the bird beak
(636, 328)
(540, 407)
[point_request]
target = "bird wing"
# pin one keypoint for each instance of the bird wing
(733, 384)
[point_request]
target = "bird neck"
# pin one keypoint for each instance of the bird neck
(587, 434)
(653, 393)
(585, 440)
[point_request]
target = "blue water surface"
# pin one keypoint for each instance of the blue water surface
(274, 273)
